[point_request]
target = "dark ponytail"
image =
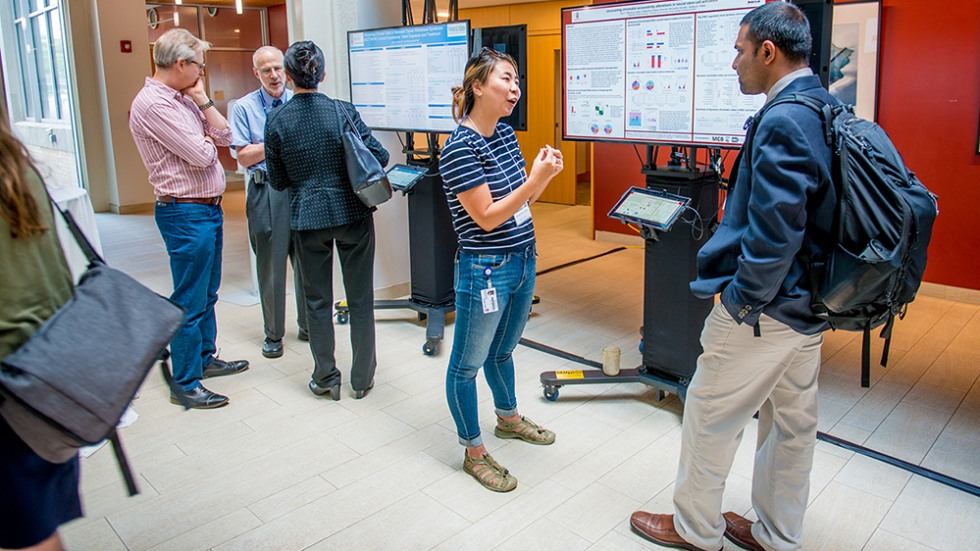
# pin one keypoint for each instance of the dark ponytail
(304, 64)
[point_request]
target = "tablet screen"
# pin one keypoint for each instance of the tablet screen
(404, 177)
(650, 208)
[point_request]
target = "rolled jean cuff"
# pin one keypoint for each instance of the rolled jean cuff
(472, 442)
(505, 412)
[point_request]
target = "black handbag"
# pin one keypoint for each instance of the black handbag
(69, 384)
(367, 176)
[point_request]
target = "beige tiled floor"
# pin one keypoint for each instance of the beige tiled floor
(281, 469)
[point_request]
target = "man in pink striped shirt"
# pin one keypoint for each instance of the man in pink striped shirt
(177, 130)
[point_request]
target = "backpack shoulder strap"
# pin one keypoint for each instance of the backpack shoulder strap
(822, 108)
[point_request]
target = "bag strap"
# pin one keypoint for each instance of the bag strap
(822, 108)
(866, 357)
(83, 243)
(341, 109)
(123, 463)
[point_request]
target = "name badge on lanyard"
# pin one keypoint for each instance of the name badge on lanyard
(489, 295)
(523, 215)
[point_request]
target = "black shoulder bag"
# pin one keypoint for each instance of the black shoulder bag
(69, 384)
(367, 177)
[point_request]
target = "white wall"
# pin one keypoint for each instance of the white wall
(117, 78)
(108, 80)
(326, 24)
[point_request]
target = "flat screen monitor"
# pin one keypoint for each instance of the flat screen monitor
(655, 72)
(649, 207)
(510, 40)
(401, 78)
(404, 177)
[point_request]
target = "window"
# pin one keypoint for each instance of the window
(41, 56)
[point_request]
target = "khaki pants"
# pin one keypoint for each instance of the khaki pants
(737, 375)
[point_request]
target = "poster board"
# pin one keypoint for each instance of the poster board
(655, 72)
(401, 78)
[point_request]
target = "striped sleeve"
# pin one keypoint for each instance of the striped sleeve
(461, 167)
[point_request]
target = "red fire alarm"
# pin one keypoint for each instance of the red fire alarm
(126, 46)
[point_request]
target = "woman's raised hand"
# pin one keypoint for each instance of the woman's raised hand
(548, 163)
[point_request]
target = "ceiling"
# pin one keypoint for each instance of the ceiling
(441, 5)
(247, 3)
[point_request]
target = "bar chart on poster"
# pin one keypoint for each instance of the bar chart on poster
(656, 72)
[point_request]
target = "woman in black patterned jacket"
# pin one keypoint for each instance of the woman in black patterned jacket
(305, 154)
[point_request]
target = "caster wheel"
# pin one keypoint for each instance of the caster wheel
(343, 317)
(550, 393)
(429, 348)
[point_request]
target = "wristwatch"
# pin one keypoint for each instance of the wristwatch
(204, 107)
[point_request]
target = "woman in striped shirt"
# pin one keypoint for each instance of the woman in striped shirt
(489, 193)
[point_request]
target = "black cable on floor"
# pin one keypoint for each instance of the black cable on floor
(559, 353)
(581, 260)
(847, 445)
(902, 464)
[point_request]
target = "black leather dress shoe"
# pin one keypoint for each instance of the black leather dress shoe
(358, 394)
(219, 368)
(199, 398)
(320, 391)
(272, 349)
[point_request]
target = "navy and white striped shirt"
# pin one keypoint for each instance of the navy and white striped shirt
(469, 160)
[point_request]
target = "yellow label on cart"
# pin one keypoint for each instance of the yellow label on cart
(570, 374)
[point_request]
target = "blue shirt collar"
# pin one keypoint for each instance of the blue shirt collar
(268, 99)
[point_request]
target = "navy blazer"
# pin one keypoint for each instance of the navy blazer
(304, 154)
(779, 211)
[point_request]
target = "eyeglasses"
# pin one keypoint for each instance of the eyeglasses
(266, 71)
(199, 65)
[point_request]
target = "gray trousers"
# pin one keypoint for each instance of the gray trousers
(355, 246)
(270, 235)
(737, 375)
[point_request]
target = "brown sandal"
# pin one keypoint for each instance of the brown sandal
(525, 429)
(489, 473)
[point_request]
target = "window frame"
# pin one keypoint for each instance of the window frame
(42, 101)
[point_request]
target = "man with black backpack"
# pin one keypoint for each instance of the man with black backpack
(762, 340)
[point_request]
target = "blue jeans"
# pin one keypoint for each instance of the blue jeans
(487, 340)
(193, 236)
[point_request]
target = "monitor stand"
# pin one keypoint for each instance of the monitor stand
(672, 317)
(432, 250)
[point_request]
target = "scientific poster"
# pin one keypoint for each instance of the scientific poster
(655, 72)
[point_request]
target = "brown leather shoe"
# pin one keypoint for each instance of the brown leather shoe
(660, 530)
(738, 530)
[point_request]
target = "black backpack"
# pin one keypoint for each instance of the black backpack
(882, 228)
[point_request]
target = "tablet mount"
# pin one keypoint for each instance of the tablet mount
(672, 317)
(432, 248)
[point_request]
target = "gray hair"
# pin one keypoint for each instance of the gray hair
(177, 44)
(264, 50)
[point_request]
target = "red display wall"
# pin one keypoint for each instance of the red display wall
(928, 102)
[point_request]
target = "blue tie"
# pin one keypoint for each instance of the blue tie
(276, 103)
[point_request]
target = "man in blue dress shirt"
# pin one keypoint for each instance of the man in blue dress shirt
(267, 209)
